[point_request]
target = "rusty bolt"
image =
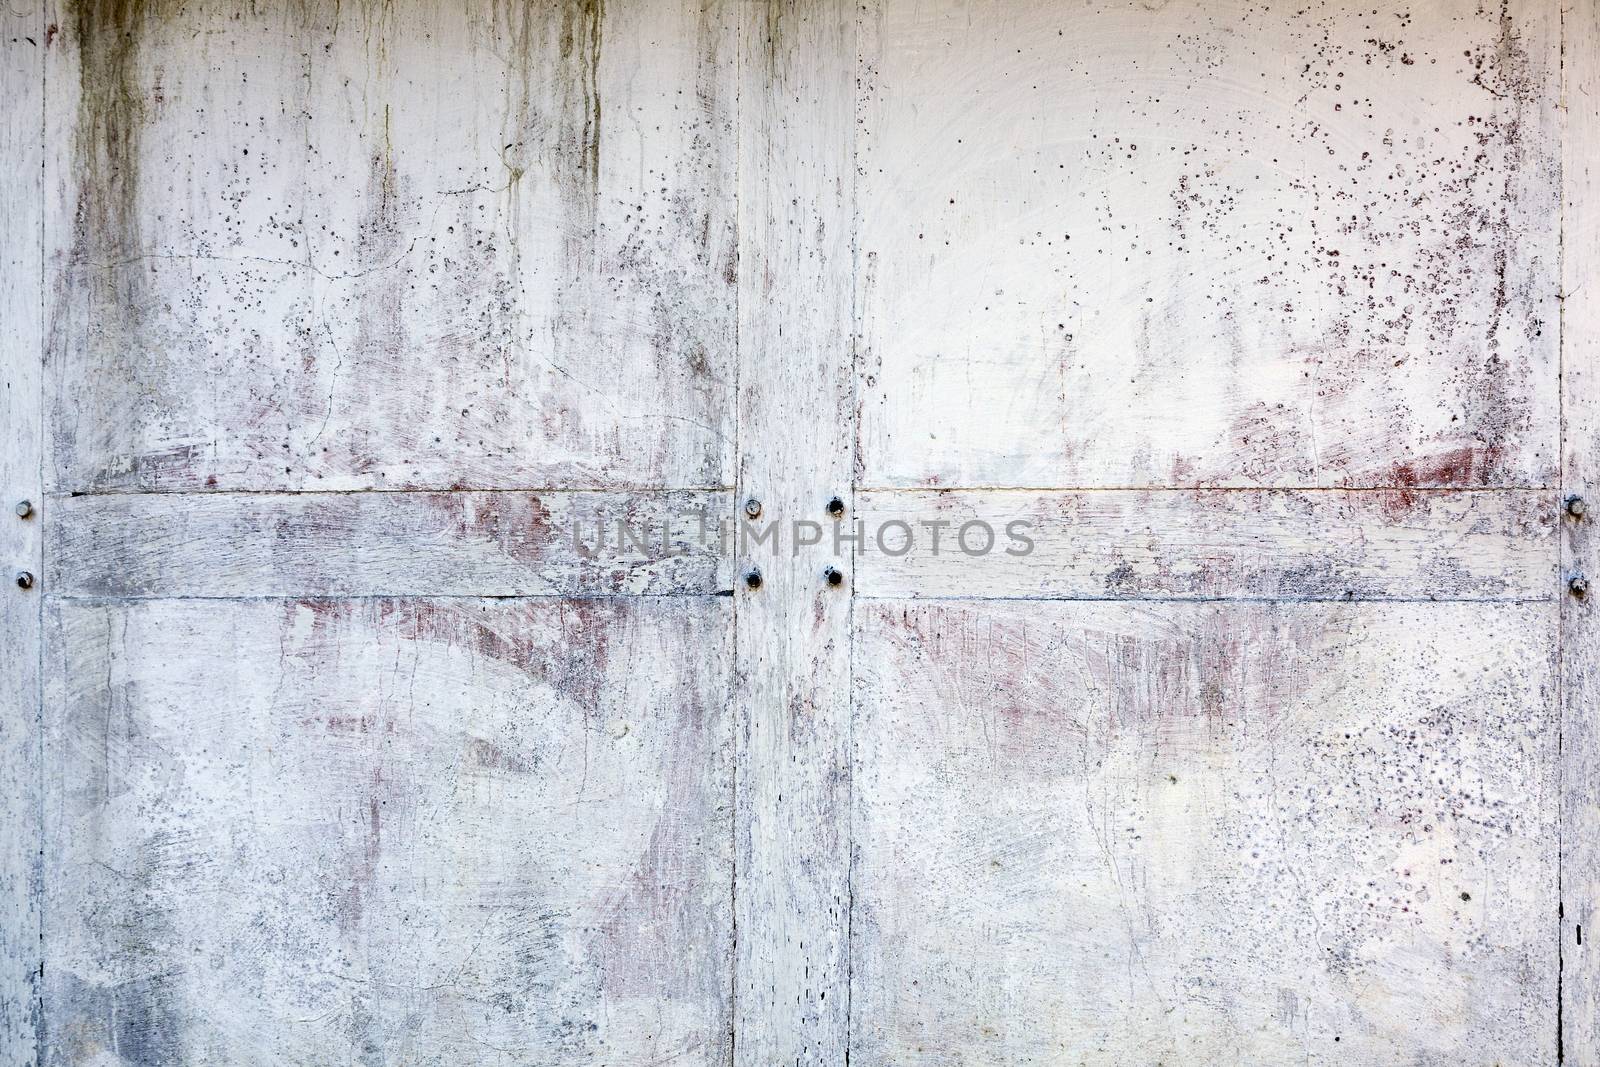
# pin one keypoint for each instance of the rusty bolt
(24, 580)
(834, 576)
(1579, 586)
(1576, 506)
(836, 507)
(752, 508)
(24, 508)
(752, 578)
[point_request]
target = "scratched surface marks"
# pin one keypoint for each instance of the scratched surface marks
(1191, 833)
(1201, 243)
(399, 831)
(381, 245)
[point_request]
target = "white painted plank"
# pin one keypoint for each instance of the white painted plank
(405, 830)
(1194, 243)
(1206, 544)
(391, 544)
(796, 182)
(1580, 627)
(23, 38)
(1192, 833)
(416, 245)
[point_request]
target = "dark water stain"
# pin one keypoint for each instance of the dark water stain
(113, 110)
(581, 37)
(100, 293)
(554, 119)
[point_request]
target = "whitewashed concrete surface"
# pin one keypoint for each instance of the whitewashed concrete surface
(408, 831)
(1196, 833)
(323, 742)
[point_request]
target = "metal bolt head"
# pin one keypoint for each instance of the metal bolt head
(752, 508)
(1579, 585)
(1576, 507)
(24, 580)
(834, 576)
(836, 507)
(752, 578)
(24, 508)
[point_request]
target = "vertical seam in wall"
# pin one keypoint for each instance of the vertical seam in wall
(735, 724)
(853, 429)
(42, 582)
(1561, 533)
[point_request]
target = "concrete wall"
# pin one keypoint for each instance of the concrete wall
(329, 327)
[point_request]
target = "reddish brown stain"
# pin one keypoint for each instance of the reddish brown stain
(654, 916)
(486, 755)
(518, 524)
(1463, 467)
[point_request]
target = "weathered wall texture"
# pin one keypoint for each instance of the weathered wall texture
(325, 320)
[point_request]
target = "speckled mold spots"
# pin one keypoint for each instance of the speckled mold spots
(1270, 247)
